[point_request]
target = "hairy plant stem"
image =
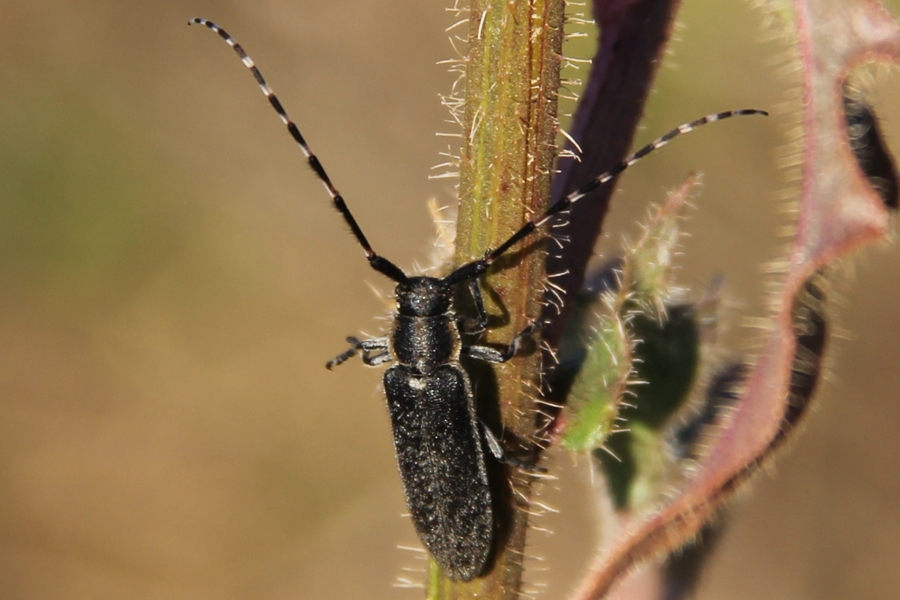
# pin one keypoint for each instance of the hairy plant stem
(507, 158)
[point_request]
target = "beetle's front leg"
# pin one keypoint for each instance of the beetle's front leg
(476, 326)
(366, 347)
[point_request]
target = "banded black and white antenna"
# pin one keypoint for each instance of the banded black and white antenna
(478, 267)
(379, 263)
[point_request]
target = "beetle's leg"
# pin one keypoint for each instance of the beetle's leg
(492, 442)
(501, 356)
(496, 449)
(475, 326)
(377, 359)
(364, 346)
(371, 345)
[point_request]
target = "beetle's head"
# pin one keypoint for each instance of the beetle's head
(423, 297)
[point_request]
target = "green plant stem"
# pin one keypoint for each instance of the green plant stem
(507, 158)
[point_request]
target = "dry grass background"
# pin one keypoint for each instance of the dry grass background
(173, 280)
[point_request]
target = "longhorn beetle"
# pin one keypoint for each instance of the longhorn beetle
(437, 435)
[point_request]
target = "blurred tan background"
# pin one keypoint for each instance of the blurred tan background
(174, 279)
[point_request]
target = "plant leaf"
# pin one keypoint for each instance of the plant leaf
(838, 211)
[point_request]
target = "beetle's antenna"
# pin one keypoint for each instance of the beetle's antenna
(477, 267)
(379, 263)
